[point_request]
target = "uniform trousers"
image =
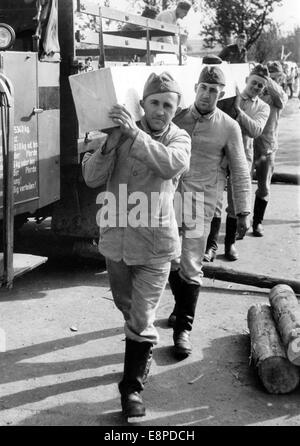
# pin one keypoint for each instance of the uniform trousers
(264, 166)
(137, 290)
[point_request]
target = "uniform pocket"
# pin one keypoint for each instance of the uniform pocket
(166, 240)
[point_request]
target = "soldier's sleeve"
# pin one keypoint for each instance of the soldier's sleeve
(167, 161)
(223, 54)
(278, 95)
(253, 126)
(239, 170)
(97, 166)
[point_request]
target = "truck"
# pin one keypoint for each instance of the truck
(42, 44)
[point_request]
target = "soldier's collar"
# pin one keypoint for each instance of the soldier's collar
(155, 135)
(198, 115)
(246, 97)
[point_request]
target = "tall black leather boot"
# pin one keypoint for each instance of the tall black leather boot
(258, 216)
(175, 283)
(186, 305)
(137, 363)
(212, 240)
(230, 237)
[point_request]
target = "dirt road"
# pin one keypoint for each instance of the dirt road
(65, 341)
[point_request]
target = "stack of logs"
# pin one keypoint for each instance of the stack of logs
(275, 340)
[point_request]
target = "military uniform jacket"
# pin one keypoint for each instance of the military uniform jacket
(252, 119)
(276, 98)
(151, 163)
(216, 139)
(232, 54)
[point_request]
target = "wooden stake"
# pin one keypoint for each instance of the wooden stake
(286, 312)
(276, 372)
(258, 280)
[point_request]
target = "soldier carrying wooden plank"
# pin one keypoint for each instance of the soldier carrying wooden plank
(143, 158)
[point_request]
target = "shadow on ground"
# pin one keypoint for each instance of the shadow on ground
(192, 393)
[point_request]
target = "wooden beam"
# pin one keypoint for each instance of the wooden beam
(92, 38)
(281, 177)
(22, 263)
(7, 134)
(88, 7)
(109, 40)
(167, 27)
(286, 312)
(289, 178)
(278, 375)
(246, 278)
(138, 34)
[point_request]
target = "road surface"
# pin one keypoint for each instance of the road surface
(65, 341)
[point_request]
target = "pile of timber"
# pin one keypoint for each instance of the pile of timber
(275, 340)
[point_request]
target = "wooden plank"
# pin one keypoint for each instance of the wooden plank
(124, 42)
(139, 33)
(156, 24)
(92, 38)
(288, 178)
(88, 7)
(7, 131)
(124, 17)
(109, 40)
(161, 47)
(258, 280)
(22, 263)
(93, 92)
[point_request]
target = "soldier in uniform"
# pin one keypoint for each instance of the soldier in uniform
(236, 53)
(171, 16)
(141, 159)
(252, 114)
(215, 136)
(266, 145)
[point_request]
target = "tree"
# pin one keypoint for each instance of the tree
(291, 44)
(270, 44)
(236, 16)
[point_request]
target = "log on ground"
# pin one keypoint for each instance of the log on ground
(276, 372)
(245, 278)
(282, 177)
(286, 312)
(288, 178)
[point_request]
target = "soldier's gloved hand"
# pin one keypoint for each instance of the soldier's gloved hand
(122, 117)
(243, 224)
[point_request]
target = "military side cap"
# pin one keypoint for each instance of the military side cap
(212, 75)
(161, 83)
(260, 70)
(275, 67)
(212, 60)
(186, 6)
